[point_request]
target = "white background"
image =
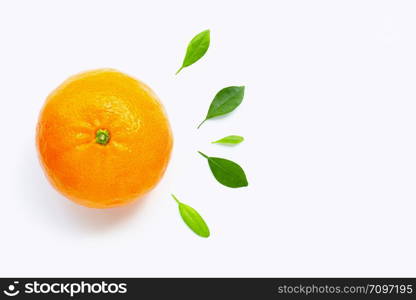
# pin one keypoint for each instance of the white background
(328, 117)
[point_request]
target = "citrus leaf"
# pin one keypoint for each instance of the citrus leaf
(197, 47)
(193, 219)
(230, 140)
(226, 172)
(225, 101)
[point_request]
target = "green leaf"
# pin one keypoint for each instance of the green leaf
(197, 47)
(226, 171)
(230, 140)
(225, 101)
(193, 219)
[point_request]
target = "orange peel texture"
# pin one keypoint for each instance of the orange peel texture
(103, 138)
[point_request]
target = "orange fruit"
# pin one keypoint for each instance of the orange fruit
(103, 138)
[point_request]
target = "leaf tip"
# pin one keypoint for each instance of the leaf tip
(245, 181)
(205, 235)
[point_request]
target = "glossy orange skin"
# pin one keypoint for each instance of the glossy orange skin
(135, 158)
